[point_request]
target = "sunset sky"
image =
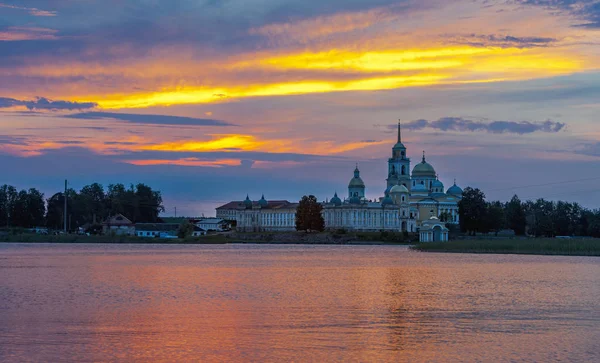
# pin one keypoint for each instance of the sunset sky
(210, 100)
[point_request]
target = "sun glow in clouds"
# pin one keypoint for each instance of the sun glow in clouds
(366, 71)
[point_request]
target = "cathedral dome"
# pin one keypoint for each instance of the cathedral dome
(387, 201)
(424, 169)
(455, 190)
(248, 202)
(398, 189)
(357, 181)
(437, 184)
(354, 200)
(336, 200)
(263, 202)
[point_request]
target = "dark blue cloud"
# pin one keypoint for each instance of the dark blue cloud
(503, 41)
(586, 10)
(41, 103)
(496, 127)
(149, 119)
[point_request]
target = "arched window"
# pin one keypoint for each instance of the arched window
(403, 170)
(403, 198)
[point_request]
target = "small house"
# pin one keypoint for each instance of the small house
(119, 225)
(213, 224)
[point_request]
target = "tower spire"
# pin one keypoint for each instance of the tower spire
(399, 132)
(423, 156)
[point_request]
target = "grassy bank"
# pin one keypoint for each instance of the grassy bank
(331, 237)
(72, 238)
(531, 246)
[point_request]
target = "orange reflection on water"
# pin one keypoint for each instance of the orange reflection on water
(295, 303)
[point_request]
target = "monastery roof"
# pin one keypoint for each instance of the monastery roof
(271, 204)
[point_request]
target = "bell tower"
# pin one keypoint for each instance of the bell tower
(399, 164)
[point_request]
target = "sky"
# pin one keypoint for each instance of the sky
(208, 101)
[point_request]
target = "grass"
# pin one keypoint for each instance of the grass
(529, 246)
(73, 238)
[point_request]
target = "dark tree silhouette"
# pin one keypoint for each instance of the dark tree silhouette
(308, 215)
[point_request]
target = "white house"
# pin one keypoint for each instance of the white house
(213, 224)
(163, 230)
(119, 225)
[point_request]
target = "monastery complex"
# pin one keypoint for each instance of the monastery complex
(412, 202)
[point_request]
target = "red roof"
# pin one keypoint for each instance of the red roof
(273, 204)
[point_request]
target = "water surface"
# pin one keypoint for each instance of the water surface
(293, 303)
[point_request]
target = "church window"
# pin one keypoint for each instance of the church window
(403, 170)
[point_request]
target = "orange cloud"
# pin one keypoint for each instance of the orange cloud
(187, 162)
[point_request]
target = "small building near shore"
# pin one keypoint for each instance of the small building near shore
(163, 230)
(118, 225)
(213, 224)
(433, 230)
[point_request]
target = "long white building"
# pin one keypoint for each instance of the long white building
(408, 201)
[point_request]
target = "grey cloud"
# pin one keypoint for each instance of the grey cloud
(504, 41)
(590, 149)
(149, 119)
(586, 10)
(12, 140)
(41, 103)
(495, 127)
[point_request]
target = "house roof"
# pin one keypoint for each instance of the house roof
(157, 227)
(211, 220)
(118, 220)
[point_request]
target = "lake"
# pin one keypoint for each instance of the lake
(262, 303)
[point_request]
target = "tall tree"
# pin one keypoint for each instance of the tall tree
(515, 216)
(308, 215)
(28, 209)
(495, 218)
(95, 200)
(472, 209)
(8, 198)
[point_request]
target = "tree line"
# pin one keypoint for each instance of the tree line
(91, 205)
(539, 218)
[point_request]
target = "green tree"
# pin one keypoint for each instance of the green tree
(95, 202)
(594, 228)
(8, 198)
(28, 209)
(186, 229)
(515, 216)
(309, 216)
(495, 218)
(472, 209)
(149, 204)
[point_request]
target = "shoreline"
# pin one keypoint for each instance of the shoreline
(532, 246)
(529, 246)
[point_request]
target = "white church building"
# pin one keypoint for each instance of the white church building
(411, 202)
